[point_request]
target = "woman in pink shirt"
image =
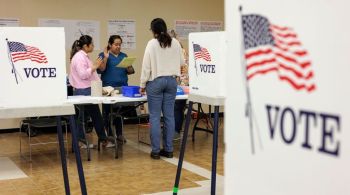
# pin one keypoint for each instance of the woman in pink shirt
(82, 72)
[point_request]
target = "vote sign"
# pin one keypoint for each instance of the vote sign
(287, 115)
(207, 64)
(32, 66)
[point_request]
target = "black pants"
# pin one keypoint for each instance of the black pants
(179, 110)
(124, 111)
(92, 111)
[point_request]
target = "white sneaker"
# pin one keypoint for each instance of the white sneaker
(177, 136)
(84, 146)
(110, 145)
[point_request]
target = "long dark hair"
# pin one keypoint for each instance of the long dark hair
(78, 44)
(160, 31)
(111, 40)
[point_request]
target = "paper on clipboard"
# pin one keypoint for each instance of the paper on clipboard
(126, 62)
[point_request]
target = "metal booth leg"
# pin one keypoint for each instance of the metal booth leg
(73, 128)
(63, 154)
(183, 147)
(215, 150)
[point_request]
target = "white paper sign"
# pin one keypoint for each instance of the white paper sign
(209, 26)
(207, 64)
(7, 22)
(184, 27)
(74, 29)
(32, 69)
(126, 29)
(287, 116)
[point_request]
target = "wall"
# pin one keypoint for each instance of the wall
(142, 11)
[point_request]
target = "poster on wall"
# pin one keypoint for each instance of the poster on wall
(184, 27)
(126, 29)
(287, 116)
(32, 69)
(74, 29)
(9, 22)
(209, 26)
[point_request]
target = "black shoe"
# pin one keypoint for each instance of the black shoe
(155, 155)
(165, 153)
(111, 139)
(121, 139)
(83, 141)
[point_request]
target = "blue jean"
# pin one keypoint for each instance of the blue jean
(94, 112)
(161, 93)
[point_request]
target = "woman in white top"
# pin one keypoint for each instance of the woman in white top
(160, 66)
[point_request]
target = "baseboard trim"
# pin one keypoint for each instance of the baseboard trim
(13, 130)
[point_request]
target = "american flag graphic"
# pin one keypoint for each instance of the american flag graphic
(19, 51)
(201, 52)
(272, 48)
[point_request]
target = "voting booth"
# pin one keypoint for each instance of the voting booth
(287, 122)
(207, 61)
(33, 83)
(207, 83)
(32, 70)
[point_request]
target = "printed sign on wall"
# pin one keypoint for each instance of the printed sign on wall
(74, 29)
(184, 27)
(207, 64)
(32, 66)
(7, 22)
(126, 29)
(209, 26)
(287, 117)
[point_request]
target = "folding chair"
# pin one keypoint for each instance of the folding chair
(144, 117)
(40, 122)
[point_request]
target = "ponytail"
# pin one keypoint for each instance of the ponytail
(75, 48)
(164, 40)
(78, 44)
(159, 29)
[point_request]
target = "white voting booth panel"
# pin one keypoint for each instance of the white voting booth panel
(207, 64)
(33, 82)
(295, 56)
(32, 66)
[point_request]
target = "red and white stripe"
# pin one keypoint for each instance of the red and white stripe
(204, 54)
(33, 54)
(286, 57)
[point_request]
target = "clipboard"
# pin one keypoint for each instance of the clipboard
(126, 62)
